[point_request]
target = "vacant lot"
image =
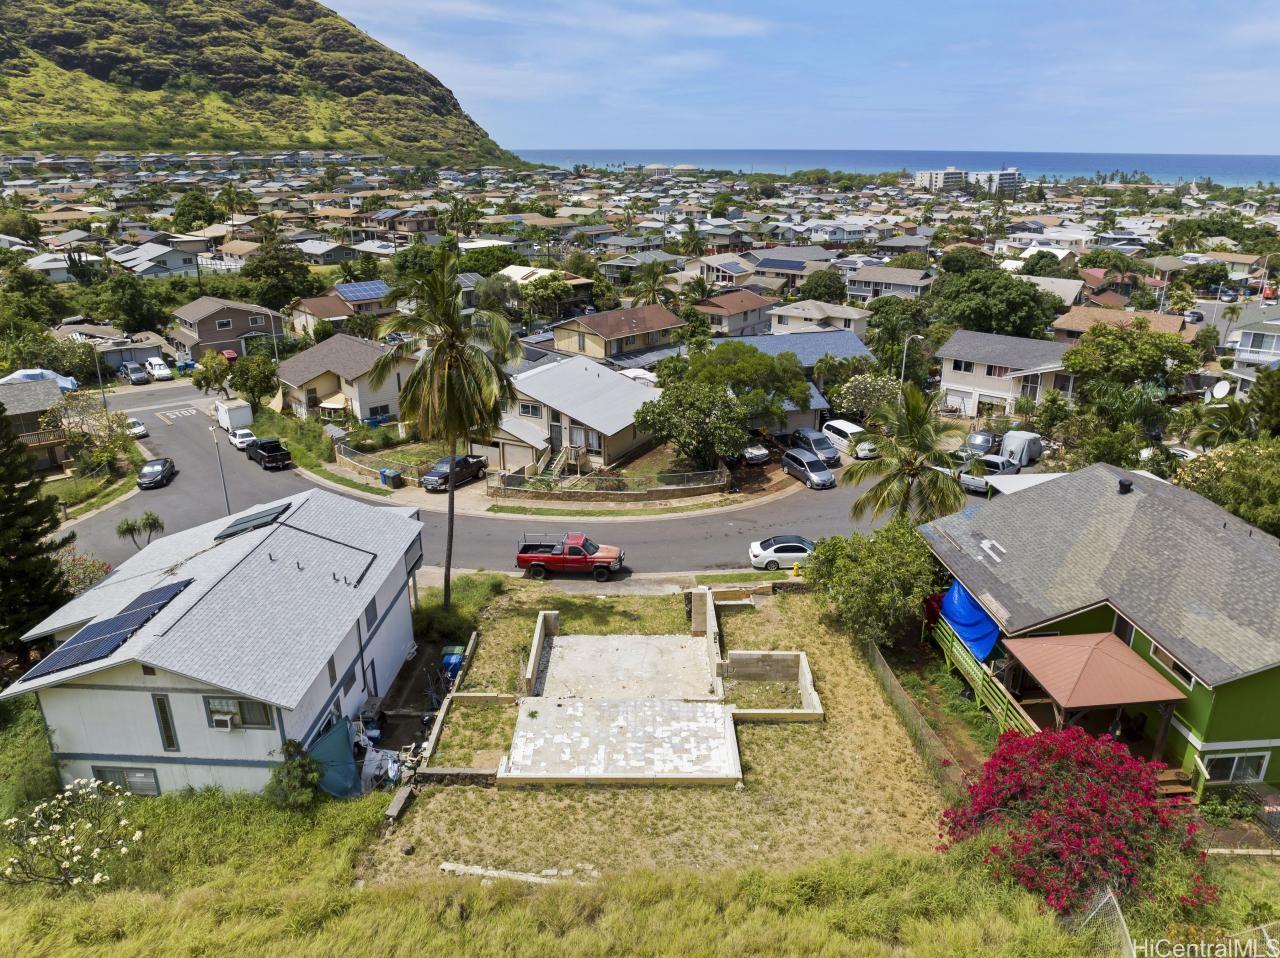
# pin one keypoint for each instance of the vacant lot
(810, 790)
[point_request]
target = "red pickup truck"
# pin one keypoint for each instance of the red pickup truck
(573, 552)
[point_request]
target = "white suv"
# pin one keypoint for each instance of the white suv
(157, 369)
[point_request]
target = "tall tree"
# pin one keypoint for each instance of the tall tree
(965, 258)
(993, 301)
(1265, 398)
(148, 524)
(914, 477)
(459, 385)
(825, 285)
(649, 285)
(279, 274)
(1131, 354)
(460, 217)
(254, 378)
(691, 242)
(1226, 420)
(32, 583)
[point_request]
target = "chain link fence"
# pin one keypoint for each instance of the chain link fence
(1102, 923)
(371, 465)
(603, 485)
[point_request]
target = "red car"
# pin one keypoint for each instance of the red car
(573, 552)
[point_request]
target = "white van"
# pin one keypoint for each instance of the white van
(157, 369)
(844, 436)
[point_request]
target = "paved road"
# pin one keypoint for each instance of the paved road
(180, 429)
(1250, 312)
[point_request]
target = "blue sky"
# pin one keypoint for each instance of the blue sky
(1122, 76)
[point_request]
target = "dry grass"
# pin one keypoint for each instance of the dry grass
(475, 736)
(810, 789)
(748, 694)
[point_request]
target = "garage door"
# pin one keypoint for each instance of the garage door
(956, 399)
(489, 452)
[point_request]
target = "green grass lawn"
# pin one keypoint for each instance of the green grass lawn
(475, 736)
(588, 511)
(755, 575)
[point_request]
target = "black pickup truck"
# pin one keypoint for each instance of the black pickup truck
(465, 468)
(270, 454)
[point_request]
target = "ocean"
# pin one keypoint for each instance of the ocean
(1163, 167)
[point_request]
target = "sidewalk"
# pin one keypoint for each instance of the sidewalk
(471, 500)
(634, 583)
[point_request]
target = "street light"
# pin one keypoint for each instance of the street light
(221, 475)
(902, 374)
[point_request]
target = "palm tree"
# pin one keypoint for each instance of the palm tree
(460, 216)
(1231, 314)
(916, 479)
(459, 384)
(692, 243)
(148, 523)
(1231, 420)
(695, 291)
(231, 199)
(649, 285)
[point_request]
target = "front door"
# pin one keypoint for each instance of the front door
(557, 436)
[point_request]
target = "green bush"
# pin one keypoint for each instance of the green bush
(27, 772)
(453, 626)
(295, 782)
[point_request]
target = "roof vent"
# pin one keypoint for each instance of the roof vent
(1126, 486)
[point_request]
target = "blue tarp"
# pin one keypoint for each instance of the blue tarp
(332, 750)
(976, 629)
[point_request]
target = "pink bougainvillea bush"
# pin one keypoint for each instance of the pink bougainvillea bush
(1064, 813)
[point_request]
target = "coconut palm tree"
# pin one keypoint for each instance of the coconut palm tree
(460, 216)
(694, 291)
(459, 384)
(649, 285)
(692, 243)
(915, 478)
(231, 199)
(1230, 420)
(148, 524)
(1231, 314)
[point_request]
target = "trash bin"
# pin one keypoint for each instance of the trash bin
(451, 658)
(394, 479)
(384, 476)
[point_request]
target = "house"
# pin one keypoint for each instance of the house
(897, 245)
(601, 335)
(200, 656)
(114, 346)
(210, 323)
(332, 380)
(1258, 348)
(306, 312)
(60, 267)
(984, 373)
(26, 405)
(787, 266)
(326, 252)
(738, 312)
(366, 296)
(1104, 288)
(574, 404)
(579, 286)
(619, 269)
(813, 315)
(872, 282)
(154, 260)
(1114, 600)
(1075, 322)
(1239, 265)
(1070, 291)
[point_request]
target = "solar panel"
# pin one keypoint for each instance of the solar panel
(373, 289)
(255, 521)
(97, 640)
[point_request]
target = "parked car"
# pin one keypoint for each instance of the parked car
(1193, 316)
(465, 469)
(1024, 448)
(973, 471)
(133, 374)
(1178, 452)
(157, 369)
(756, 454)
(541, 555)
(778, 551)
(1228, 296)
(233, 413)
(984, 442)
(156, 473)
(269, 454)
(844, 436)
(135, 428)
(808, 468)
(817, 443)
(242, 438)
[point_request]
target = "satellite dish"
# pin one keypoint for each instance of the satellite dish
(1221, 389)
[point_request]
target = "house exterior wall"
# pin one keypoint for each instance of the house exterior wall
(567, 340)
(967, 389)
(295, 397)
(619, 445)
(209, 336)
(364, 395)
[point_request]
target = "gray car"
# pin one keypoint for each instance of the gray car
(974, 471)
(817, 443)
(808, 468)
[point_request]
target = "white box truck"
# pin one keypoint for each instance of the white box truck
(233, 414)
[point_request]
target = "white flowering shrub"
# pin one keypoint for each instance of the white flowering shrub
(72, 840)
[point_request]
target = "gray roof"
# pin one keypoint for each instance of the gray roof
(1016, 352)
(1065, 289)
(587, 392)
(198, 309)
(348, 356)
(891, 274)
(29, 397)
(808, 348)
(266, 608)
(1200, 582)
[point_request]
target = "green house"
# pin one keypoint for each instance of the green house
(1117, 601)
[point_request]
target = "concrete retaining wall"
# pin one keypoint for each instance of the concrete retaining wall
(461, 699)
(657, 494)
(548, 627)
(761, 666)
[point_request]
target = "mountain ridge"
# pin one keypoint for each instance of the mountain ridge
(219, 74)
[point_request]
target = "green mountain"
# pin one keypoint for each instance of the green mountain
(218, 74)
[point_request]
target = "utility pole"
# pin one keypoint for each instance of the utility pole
(902, 375)
(226, 498)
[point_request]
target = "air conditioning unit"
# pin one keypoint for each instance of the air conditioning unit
(223, 721)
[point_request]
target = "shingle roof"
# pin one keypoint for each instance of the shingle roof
(1016, 352)
(205, 306)
(630, 322)
(1081, 318)
(587, 392)
(1197, 580)
(281, 598)
(29, 397)
(348, 356)
(733, 302)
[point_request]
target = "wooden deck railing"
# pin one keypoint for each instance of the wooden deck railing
(42, 436)
(986, 688)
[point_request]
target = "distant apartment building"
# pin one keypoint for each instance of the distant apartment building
(1004, 182)
(937, 181)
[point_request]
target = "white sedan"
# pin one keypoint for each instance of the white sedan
(777, 552)
(135, 428)
(242, 438)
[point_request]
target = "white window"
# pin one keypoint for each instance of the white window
(256, 320)
(531, 409)
(224, 324)
(138, 781)
(1031, 385)
(247, 712)
(1236, 768)
(995, 372)
(962, 365)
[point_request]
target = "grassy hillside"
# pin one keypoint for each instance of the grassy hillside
(217, 74)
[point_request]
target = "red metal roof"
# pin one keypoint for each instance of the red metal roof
(1090, 671)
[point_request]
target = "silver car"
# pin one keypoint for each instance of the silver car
(973, 472)
(808, 468)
